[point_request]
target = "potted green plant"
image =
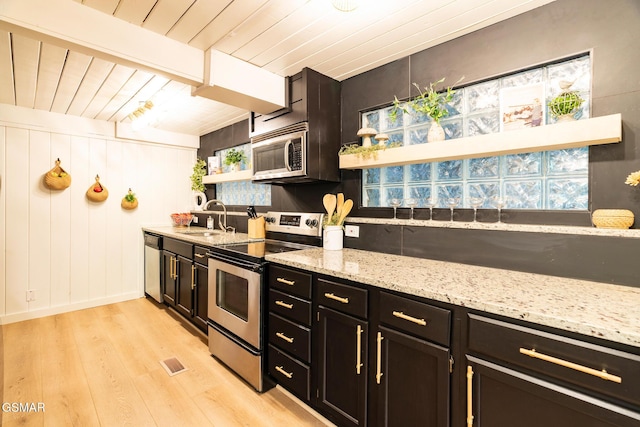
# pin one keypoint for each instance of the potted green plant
(199, 170)
(234, 158)
(429, 102)
(564, 106)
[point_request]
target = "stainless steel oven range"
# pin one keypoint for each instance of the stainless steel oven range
(237, 291)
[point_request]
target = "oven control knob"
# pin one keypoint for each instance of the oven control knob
(270, 219)
(311, 222)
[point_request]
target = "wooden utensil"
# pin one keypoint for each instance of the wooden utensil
(346, 208)
(339, 203)
(329, 202)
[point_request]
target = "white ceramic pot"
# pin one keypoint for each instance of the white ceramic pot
(436, 133)
(199, 200)
(332, 237)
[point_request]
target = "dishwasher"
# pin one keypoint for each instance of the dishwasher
(152, 257)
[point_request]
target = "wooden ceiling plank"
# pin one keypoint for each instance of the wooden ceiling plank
(7, 89)
(73, 72)
(94, 78)
(260, 21)
(52, 59)
(134, 11)
(105, 6)
(97, 34)
(233, 16)
(132, 86)
(196, 18)
(165, 14)
(26, 54)
(111, 85)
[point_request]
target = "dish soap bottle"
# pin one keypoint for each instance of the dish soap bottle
(209, 223)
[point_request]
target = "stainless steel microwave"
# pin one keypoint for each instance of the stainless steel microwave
(280, 156)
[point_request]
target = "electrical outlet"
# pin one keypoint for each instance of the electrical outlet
(195, 219)
(31, 295)
(352, 231)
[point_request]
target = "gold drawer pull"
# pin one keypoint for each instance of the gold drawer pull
(469, 396)
(401, 315)
(285, 281)
(337, 298)
(600, 374)
(283, 372)
(200, 255)
(284, 337)
(284, 304)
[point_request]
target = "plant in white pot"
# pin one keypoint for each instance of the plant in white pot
(429, 102)
(234, 158)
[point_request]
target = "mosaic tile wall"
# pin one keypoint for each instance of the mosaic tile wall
(543, 180)
(242, 192)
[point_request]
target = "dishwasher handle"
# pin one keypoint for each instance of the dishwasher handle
(153, 241)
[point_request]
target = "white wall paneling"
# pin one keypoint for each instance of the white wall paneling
(72, 252)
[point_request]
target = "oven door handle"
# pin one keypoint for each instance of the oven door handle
(247, 265)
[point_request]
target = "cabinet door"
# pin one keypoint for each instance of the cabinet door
(201, 296)
(409, 381)
(185, 286)
(342, 378)
(502, 397)
(169, 278)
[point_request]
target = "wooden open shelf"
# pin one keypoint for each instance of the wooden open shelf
(580, 133)
(244, 175)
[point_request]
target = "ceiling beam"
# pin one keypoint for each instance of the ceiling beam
(71, 25)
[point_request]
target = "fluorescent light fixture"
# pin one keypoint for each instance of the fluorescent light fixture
(345, 5)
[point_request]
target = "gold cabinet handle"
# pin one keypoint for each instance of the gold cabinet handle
(284, 337)
(284, 304)
(379, 361)
(174, 263)
(359, 363)
(283, 372)
(171, 267)
(200, 255)
(403, 316)
(600, 374)
(285, 281)
(469, 396)
(193, 277)
(337, 298)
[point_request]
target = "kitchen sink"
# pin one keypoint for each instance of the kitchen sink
(200, 232)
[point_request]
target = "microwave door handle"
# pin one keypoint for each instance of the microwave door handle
(286, 155)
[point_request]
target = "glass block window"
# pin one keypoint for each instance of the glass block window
(543, 180)
(242, 192)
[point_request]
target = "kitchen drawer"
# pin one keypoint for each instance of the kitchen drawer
(514, 344)
(416, 318)
(291, 307)
(290, 337)
(200, 255)
(178, 247)
(289, 373)
(345, 298)
(290, 281)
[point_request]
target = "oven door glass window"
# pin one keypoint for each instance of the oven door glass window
(233, 294)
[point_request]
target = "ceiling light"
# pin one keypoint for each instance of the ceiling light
(142, 116)
(345, 5)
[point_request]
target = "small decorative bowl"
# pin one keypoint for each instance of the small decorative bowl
(612, 218)
(181, 219)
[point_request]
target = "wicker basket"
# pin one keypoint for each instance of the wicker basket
(57, 178)
(97, 192)
(612, 218)
(126, 204)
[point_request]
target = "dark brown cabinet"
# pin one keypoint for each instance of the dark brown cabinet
(410, 373)
(185, 281)
(341, 369)
(289, 330)
(518, 375)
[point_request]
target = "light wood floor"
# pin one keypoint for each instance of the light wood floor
(101, 367)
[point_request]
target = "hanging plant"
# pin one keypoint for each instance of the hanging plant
(129, 201)
(199, 170)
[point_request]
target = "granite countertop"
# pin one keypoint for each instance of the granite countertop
(596, 309)
(216, 238)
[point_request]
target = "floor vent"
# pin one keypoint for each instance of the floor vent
(173, 366)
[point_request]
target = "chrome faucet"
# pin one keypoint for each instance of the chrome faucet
(222, 222)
